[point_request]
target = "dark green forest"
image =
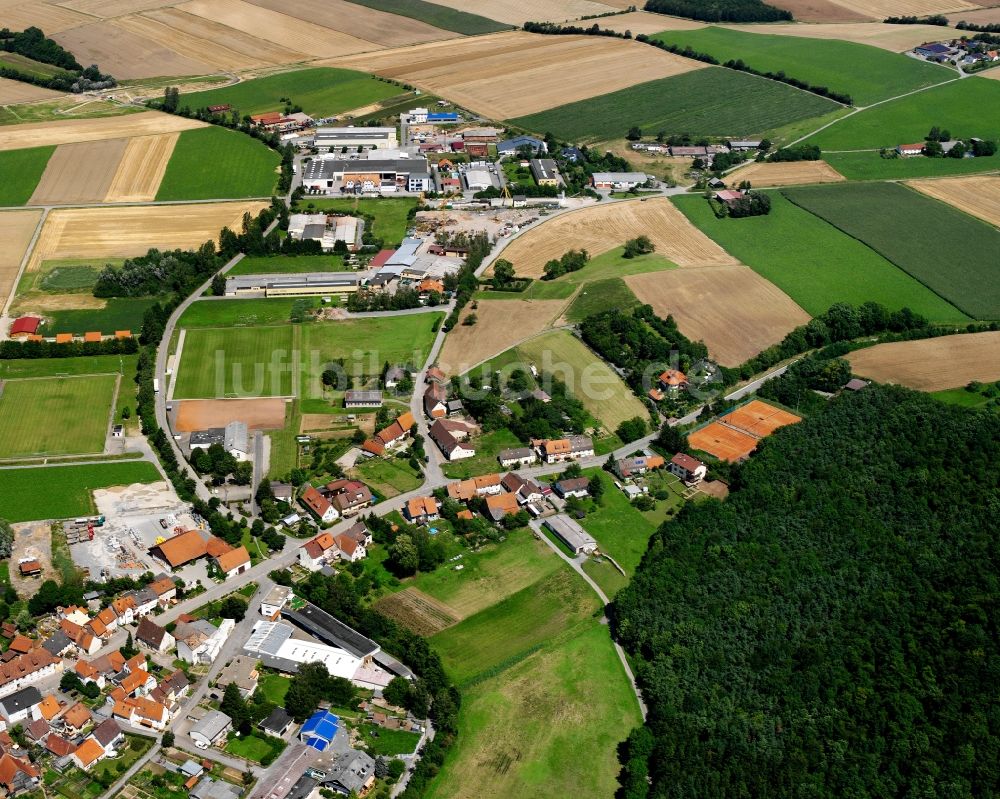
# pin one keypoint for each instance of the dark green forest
(831, 629)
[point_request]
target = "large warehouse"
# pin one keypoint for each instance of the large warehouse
(366, 175)
(336, 138)
(311, 284)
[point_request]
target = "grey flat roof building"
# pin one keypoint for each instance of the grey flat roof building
(20, 700)
(331, 631)
(265, 282)
(210, 727)
(572, 534)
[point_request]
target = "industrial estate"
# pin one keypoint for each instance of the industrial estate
(489, 399)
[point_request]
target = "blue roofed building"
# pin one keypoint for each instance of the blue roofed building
(319, 730)
(511, 146)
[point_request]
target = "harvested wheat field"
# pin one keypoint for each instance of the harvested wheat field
(205, 40)
(381, 28)
(643, 22)
(14, 91)
(820, 11)
(132, 230)
(40, 134)
(517, 12)
(417, 611)
(106, 9)
(16, 230)
(759, 419)
(896, 38)
(932, 364)
(80, 172)
(735, 311)
(141, 168)
(978, 196)
(47, 16)
(880, 9)
(600, 228)
(280, 29)
(125, 54)
(501, 325)
(259, 414)
(982, 16)
(725, 443)
(489, 74)
(786, 173)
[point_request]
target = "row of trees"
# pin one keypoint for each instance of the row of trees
(571, 261)
(720, 10)
(13, 350)
(34, 44)
(465, 283)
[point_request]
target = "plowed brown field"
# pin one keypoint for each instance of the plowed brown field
(932, 364)
(979, 196)
(792, 173)
(79, 173)
(141, 168)
(517, 12)
(39, 134)
(14, 91)
(735, 311)
(16, 230)
(259, 414)
(492, 74)
(417, 611)
(603, 227)
(820, 11)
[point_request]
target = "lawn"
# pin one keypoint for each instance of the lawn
(62, 492)
(120, 313)
(620, 530)
(137, 746)
(950, 252)
(964, 398)
(240, 362)
(602, 572)
(439, 16)
(869, 165)
(21, 171)
(381, 741)
(55, 416)
(255, 747)
(218, 163)
(547, 726)
(588, 378)
(388, 477)
(287, 265)
(705, 102)
(391, 216)
(487, 446)
(321, 91)
(62, 367)
(969, 107)
(240, 313)
(813, 262)
(274, 687)
(868, 74)
(599, 296)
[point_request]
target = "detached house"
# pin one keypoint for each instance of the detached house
(525, 491)
(436, 401)
(319, 505)
(627, 468)
(673, 380)
(565, 449)
(392, 437)
(464, 490)
(690, 470)
(450, 437)
(573, 487)
(151, 634)
(519, 456)
(421, 510)
(349, 497)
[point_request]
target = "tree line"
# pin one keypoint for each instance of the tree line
(34, 44)
(720, 10)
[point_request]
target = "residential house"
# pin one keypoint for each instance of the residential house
(38, 730)
(673, 380)
(142, 712)
(242, 672)
(199, 641)
(87, 754)
(450, 436)
(500, 505)
(519, 456)
(352, 546)
(511, 146)
(349, 497)
(635, 465)
(208, 788)
(434, 374)
(572, 487)
(21, 645)
(57, 644)
(436, 401)
(275, 600)
(691, 470)
(392, 437)
(24, 670)
(151, 634)
(173, 688)
(75, 614)
(145, 600)
(165, 588)
(20, 706)
(464, 490)
(421, 510)
(210, 729)
(138, 682)
(351, 773)
(57, 745)
(233, 562)
(525, 491)
(317, 552)
(319, 505)
(393, 376)
(109, 735)
(77, 718)
(283, 492)
(565, 449)
(124, 608)
(277, 723)
(48, 708)
(84, 640)
(17, 774)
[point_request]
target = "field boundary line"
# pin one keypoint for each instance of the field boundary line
(181, 335)
(111, 411)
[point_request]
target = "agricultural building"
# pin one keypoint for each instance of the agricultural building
(910, 149)
(571, 534)
(619, 181)
(373, 138)
(233, 562)
(310, 284)
(357, 398)
(745, 145)
(234, 438)
(25, 326)
(181, 549)
(544, 171)
(449, 436)
(691, 470)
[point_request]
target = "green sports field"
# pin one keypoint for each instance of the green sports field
(391, 215)
(439, 16)
(64, 492)
(120, 313)
(218, 163)
(287, 265)
(705, 102)
(813, 262)
(21, 170)
(868, 74)
(951, 253)
(967, 108)
(321, 91)
(236, 362)
(240, 313)
(55, 416)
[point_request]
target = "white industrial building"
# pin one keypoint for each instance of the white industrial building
(619, 180)
(366, 175)
(336, 138)
(310, 284)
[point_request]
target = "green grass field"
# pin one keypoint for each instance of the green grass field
(274, 687)
(488, 446)
(21, 171)
(239, 313)
(64, 367)
(218, 163)
(65, 275)
(869, 165)
(244, 362)
(388, 477)
(601, 295)
(55, 416)
(969, 107)
(439, 16)
(121, 313)
(255, 746)
(705, 102)
(948, 251)
(287, 264)
(391, 215)
(62, 492)
(621, 530)
(321, 91)
(29, 66)
(813, 262)
(588, 378)
(868, 74)
(382, 741)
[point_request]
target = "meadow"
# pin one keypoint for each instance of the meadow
(287, 264)
(966, 108)
(61, 492)
(706, 102)
(869, 165)
(388, 477)
(439, 16)
(488, 446)
(120, 313)
(391, 216)
(621, 531)
(55, 416)
(241, 312)
(218, 163)
(868, 74)
(813, 262)
(321, 91)
(244, 362)
(948, 251)
(65, 367)
(598, 296)
(21, 170)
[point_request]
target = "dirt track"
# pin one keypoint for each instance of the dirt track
(880, 9)
(932, 364)
(141, 168)
(79, 173)
(978, 196)
(38, 134)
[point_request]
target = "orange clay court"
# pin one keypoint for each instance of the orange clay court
(760, 419)
(735, 435)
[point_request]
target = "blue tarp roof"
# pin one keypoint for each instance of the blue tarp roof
(319, 729)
